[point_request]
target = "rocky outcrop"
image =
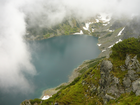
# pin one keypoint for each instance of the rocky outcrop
(110, 86)
(26, 102)
(136, 87)
(106, 80)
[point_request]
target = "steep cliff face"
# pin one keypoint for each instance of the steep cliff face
(104, 81)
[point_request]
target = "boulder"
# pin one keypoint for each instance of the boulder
(136, 87)
(127, 59)
(132, 75)
(126, 82)
(107, 98)
(106, 66)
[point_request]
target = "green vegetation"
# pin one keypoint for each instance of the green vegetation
(35, 101)
(117, 30)
(127, 46)
(126, 99)
(108, 34)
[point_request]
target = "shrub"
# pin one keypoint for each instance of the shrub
(127, 46)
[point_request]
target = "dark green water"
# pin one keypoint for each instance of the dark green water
(54, 60)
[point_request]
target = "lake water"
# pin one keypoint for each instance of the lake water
(54, 60)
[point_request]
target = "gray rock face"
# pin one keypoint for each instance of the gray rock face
(116, 80)
(132, 75)
(106, 80)
(109, 84)
(106, 66)
(132, 64)
(93, 88)
(126, 82)
(136, 87)
(128, 59)
(113, 90)
(107, 98)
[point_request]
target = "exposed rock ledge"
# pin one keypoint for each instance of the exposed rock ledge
(111, 87)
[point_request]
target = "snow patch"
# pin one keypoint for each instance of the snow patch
(92, 30)
(111, 46)
(46, 97)
(87, 26)
(97, 20)
(81, 32)
(118, 41)
(110, 30)
(103, 50)
(120, 32)
(99, 44)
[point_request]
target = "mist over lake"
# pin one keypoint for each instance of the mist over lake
(54, 60)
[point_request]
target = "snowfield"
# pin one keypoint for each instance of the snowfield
(121, 32)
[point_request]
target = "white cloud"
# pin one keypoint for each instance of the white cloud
(14, 55)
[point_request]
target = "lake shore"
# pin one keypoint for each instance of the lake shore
(54, 90)
(75, 73)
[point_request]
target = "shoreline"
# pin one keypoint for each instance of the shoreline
(75, 73)
(53, 90)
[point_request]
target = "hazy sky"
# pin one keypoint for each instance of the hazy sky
(14, 53)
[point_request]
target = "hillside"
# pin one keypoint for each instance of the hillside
(109, 30)
(104, 80)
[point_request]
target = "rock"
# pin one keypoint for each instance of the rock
(126, 82)
(136, 87)
(83, 82)
(116, 80)
(56, 103)
(26, 102)
(103, 83)
(137, 66)
(106, 66)
(93, 88)
(137, 93)
(133, 64)
(113, 90)
(122, 68)
(107, 98)
(128, 90)
(132, 75)
(127, 60)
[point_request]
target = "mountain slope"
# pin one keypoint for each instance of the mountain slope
(104, 81)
